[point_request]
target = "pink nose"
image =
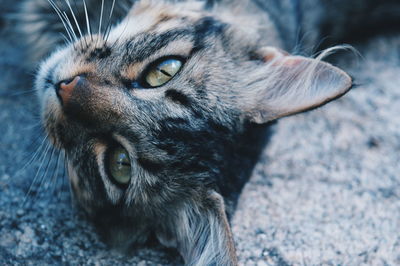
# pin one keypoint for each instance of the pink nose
(67, 88)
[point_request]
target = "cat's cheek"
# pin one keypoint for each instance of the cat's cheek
(114, 194)
(82, 196)
(51, 105)
(51, 116)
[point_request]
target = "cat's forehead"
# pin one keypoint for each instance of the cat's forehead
(150, 31)
(148, 16)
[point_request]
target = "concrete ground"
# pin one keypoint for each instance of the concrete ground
(326, 190)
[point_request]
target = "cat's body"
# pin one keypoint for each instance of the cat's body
(188, 143)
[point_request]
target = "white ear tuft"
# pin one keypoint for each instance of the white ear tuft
(286, 85)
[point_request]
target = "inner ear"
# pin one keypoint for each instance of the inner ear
(269, 53)
(284, 85)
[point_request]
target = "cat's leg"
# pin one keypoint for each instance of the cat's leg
(201, 232)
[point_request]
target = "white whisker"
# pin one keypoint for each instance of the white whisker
(58, 11)
(112, 9)
(74, 17)
(87, 20)
(67, 24)
(53, 176)
(43, 156)
(108, 28)
(65, 38)
(35, 155)
(70, 25)
(122, 33)
(44, 175)
(101, 16)
(101, 21)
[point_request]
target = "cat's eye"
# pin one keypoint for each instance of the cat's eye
(159, 74)
(119, 165)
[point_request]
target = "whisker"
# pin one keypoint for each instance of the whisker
(42, 178)
(16, 94)
(101, 20)
(60, 163)
(78, 9)
(122, 33)
(108, 28)
(54, 172)
(70, 25)
(69, 185)
(89, 29)
(65, 38)
(38, 140)
(64, 18)
(44, 155)
(34, 126)
(58, 11)
(74, 17)
(101, 16)
(35, 155)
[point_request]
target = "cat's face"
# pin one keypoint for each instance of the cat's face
(144, 112)
(149, 113)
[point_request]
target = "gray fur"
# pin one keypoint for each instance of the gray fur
(205, 118)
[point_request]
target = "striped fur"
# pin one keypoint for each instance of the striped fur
(193, 141)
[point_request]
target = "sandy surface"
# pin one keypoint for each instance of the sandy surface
(326, 190)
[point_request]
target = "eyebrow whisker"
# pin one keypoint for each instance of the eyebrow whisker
(122, 33)
(101, 20)
(78, 9)
(74, 17)
(87, 20)
(70, 25)
(108, 28)
(58, 11)
(63, 14)
(65, 38)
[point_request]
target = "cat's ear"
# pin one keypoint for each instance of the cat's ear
(201, 232)
(282, 85)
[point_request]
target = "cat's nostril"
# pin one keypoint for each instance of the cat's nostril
(64, 89)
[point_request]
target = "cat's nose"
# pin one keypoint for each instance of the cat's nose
(64, 89)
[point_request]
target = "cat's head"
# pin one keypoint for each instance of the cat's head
(149, 113)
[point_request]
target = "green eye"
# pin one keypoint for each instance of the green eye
(163, 72)
(120, 165)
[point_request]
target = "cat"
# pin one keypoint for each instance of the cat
(162, 107)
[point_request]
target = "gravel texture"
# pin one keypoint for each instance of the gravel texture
(326, 190)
